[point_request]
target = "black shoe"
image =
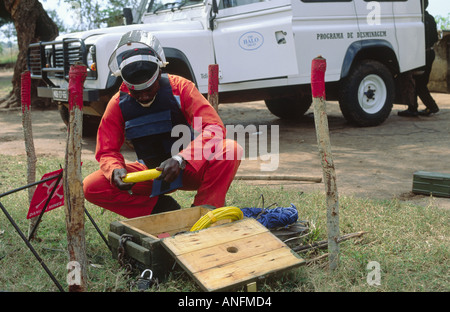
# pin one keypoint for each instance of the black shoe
(408, 113)
(165, 203)
(428, 112)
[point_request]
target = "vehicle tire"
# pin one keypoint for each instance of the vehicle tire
(64, 113)
(90, 123)
(367, 95)
(293, 107)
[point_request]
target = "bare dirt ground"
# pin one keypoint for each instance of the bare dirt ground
(377, 162)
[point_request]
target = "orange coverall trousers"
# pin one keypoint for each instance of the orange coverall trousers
(211, 181)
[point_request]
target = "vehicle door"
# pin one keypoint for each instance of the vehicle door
(325, 28)
(254, 40)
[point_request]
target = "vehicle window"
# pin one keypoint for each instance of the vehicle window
(327, 0)
(161, 5)
(233, 3)
(350, 0)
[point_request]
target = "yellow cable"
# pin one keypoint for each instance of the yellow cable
(211, 217)
(141, 176)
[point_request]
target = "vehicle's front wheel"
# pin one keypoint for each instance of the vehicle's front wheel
(367, 94)
(90, 123)
(293, 107)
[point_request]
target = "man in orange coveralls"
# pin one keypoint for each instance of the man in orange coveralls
(145, 110)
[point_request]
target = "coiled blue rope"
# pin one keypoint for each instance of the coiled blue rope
(274, 217)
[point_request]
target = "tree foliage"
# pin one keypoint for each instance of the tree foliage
(443, 22)
(5, 17)
(94, 14)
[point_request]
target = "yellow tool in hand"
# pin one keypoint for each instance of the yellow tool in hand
(141, 176)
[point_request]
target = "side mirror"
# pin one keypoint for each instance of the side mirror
(215, 7)
(215, 10)
(128, 16)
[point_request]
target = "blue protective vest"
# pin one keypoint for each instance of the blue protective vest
(149, 128)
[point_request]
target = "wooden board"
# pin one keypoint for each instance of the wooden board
(231, 255)
(170, 222)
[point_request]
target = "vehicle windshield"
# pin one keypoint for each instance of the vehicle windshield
(160, 5)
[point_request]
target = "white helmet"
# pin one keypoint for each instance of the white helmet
(137, 58)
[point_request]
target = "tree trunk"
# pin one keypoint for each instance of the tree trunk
(32, 24)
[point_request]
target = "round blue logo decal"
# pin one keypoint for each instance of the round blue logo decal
(251, 40)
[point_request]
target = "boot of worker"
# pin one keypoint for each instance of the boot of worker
(165, 203)
(408, 113)
(429, 111)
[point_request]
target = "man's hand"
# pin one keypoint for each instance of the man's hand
(118, 175)
(170, 170)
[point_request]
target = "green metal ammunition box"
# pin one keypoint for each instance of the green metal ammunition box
(222, 256)
(431, 183)
(144, 247)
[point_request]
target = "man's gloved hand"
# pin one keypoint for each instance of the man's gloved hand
(170, 170)
(118, 175)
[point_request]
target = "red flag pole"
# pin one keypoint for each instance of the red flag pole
(318, 69)
(25, 99)
(72, 182)
(213, 86)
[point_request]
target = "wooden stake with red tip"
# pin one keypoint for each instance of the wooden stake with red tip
(318, 69)
(25, 98)
(73, 189)
(213, 86)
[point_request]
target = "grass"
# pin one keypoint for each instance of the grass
(411, 243)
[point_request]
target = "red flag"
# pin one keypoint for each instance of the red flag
(42, 192)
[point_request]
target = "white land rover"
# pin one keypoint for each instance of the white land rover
(264, 50)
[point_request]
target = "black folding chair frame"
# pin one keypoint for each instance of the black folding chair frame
(27, 240)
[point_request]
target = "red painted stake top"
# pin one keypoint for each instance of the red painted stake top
(213, 79)
(25, 80)
(318, 68)
(77, 75)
